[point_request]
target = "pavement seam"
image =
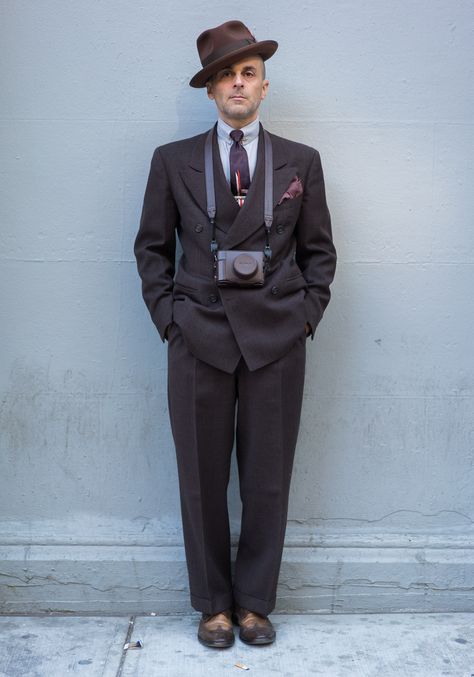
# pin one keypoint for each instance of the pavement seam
(131, 624)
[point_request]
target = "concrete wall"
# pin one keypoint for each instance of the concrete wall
(381, 512)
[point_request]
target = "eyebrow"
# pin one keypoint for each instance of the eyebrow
(244, 68)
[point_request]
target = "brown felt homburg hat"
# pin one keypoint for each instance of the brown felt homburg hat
(225, 44)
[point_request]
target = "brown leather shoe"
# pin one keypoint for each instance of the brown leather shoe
(254, 628)
(216, 630)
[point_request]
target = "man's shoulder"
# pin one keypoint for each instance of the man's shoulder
(293, 148)
(181, 144)
(181, 147)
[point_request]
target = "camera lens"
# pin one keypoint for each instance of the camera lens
(245, 266)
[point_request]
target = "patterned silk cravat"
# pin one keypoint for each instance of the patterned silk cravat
(239, 167)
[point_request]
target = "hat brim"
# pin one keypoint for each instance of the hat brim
(265, 49)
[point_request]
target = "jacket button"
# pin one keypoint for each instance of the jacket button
(198, 228)
(213, 298)
(280, 229)
(275, 290)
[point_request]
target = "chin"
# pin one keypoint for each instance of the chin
(239, 113)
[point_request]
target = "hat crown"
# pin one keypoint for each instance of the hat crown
(216, 42)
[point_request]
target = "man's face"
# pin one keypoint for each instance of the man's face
(238, 91)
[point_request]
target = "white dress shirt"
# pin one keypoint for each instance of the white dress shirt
(249, 141)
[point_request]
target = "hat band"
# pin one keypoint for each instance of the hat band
(218, 53)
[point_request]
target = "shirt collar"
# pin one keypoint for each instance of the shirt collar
(250, 131)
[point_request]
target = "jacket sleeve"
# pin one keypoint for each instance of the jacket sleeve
(315, 251)
(155, 244)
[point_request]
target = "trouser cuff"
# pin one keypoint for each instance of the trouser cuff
(212, 606)
(254, 604)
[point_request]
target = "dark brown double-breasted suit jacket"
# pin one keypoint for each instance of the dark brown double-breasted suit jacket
(220, 325)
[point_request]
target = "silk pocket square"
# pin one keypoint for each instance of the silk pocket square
(294, 189)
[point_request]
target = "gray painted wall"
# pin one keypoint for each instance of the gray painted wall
(381, 511)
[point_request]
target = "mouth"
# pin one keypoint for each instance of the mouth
(238, 98)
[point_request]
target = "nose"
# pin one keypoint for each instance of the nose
(238, 81)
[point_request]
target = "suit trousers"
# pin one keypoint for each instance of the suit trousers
(260, 409)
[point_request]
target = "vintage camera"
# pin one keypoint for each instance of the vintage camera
(239, 268)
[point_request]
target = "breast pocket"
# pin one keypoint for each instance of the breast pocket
(290, 204)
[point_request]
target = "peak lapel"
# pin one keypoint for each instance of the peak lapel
(250, 218)
(194, 179)
(283, 173)
(226, 206)
(193, 175)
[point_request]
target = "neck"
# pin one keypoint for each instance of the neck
(238, 124)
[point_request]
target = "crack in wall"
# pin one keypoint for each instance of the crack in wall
(314, 520)
(45, 581)
(366, 582)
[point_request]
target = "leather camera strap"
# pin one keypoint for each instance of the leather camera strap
(211, 192)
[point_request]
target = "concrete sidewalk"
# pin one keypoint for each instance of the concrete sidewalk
(365, 645)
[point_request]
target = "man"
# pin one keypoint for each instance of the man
(251, 285)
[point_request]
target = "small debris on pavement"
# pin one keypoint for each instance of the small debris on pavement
(133, 645)
(242, 666)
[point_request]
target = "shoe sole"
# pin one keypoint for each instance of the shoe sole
(258, 641)
(216, 645)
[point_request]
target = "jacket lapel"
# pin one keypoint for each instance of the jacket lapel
(227, 208)
(283, 173)
(193, 175)
(250, 218)
(194, 179)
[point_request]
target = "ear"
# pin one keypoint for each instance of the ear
(209, 90)
(265, 85)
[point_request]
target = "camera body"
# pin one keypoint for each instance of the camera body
(239, 268)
